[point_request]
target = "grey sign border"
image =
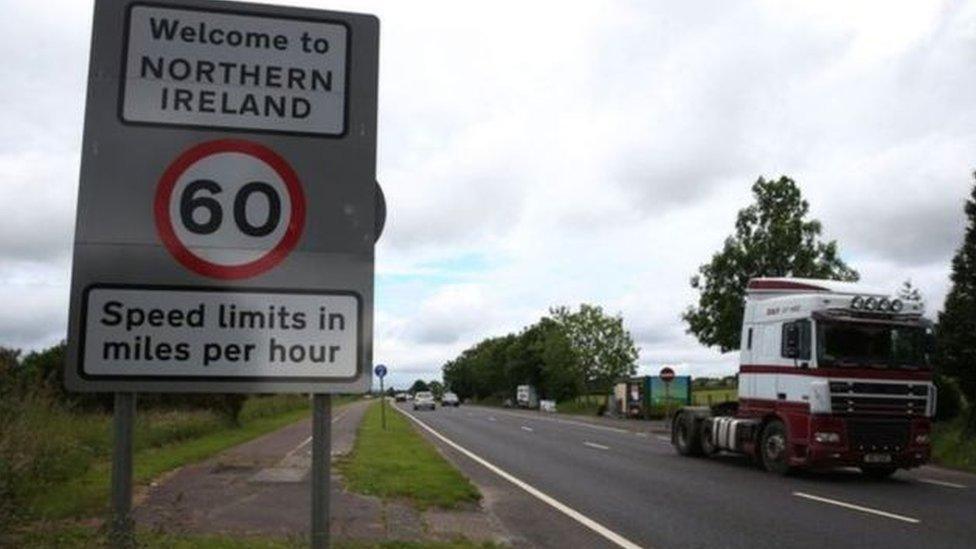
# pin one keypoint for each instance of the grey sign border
(235, 129)
(80, 363)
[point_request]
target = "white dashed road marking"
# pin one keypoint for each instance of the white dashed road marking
(597, 446)
(529, 429)
(941, 483)
(854, 507)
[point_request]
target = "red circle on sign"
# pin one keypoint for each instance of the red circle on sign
(197, 264)
(667, 374)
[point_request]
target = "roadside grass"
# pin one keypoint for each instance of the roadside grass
(587, 405)
(75, 536)
(950, 448)
(708, 397)
(399, 463)
(59, 461)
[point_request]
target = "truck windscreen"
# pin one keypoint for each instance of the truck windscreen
(877, 345)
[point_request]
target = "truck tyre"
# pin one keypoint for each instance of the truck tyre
(686, 436)
(878, 472)
(774, 448)
(708, 445)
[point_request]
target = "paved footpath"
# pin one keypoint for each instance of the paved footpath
(262, 488)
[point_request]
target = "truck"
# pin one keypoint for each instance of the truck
(526, 397)
(831, 374)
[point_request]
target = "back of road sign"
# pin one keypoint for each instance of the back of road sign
(225, 226)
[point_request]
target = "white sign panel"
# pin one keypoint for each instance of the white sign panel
(191, 67)
(214, 334)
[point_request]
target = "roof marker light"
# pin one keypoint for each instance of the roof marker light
(884, 304)
(857, 302)
(870, 304)
(897, 305)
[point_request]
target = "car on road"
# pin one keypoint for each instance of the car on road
(450, 399)
(400, 397)
(424, 399)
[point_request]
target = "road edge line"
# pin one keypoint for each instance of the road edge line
(538, 494)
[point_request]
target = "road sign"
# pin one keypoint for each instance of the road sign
(228, 206)
(667, 374)
(380, 371)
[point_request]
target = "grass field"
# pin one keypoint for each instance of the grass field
(399, 463)
(707, 397)
(586, 406)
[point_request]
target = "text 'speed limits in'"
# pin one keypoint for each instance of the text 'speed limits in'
(188, 332)
(215, 69)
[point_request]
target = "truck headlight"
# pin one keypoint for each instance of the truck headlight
(826, 437)
(922, 438)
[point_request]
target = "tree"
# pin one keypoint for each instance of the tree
(956, 330)
(908, 292)
(437, 388)
(773, 237)
(419, 385)
(602, 346)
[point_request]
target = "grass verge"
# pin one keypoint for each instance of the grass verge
(88, 494)
(73, 536)
(72, 472)
(399, 463)
(950, 448)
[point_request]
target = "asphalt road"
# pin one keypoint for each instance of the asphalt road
(634, 486)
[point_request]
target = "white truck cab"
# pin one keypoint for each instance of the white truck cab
(831, 373)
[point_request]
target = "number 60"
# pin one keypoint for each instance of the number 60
(190, 202)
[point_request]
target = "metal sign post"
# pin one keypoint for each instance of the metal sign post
(122, 533)
(380, 372)
(227, 211)
(321, 468)
(667, 376)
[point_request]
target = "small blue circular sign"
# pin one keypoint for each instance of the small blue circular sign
(380, 370)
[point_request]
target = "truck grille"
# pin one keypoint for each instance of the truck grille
(878, 406)
(877, 435)
(878, 399)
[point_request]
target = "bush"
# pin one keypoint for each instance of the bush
(949, 403)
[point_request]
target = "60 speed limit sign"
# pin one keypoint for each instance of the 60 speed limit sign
(229, 208)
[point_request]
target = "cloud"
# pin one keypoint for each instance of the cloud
(596, 154)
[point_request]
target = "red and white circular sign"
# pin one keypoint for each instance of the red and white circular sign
(667, 374)
(229, 208)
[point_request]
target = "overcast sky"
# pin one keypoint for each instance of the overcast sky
(537, 154)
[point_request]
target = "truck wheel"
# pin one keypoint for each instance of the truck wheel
(685, 433)
(708, 445)
(774, 448)
(878, 472)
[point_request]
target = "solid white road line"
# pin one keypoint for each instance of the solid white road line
(529, 429)
(595, 445)
(549, 500)
(857, 507)
(941, 483)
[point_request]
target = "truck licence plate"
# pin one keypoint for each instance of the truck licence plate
(877, 458)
